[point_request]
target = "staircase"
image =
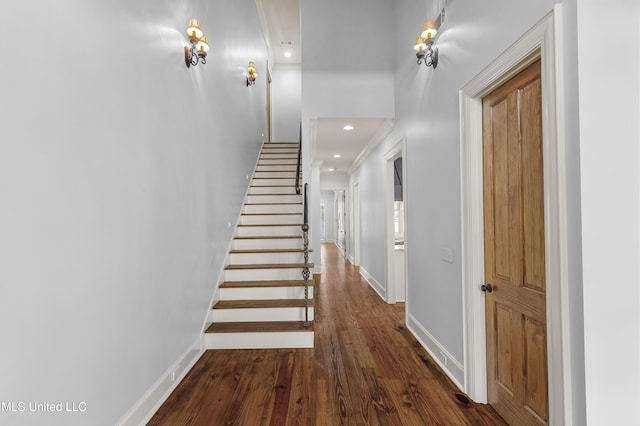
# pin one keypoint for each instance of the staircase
(261, 302)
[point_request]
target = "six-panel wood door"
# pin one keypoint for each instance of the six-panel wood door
(514, 249)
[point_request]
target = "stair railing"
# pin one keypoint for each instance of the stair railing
(305, 269)
(299, 162)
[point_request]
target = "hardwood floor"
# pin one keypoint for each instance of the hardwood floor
(366, 369)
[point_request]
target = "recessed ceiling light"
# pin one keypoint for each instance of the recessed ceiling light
(287, 54)
(336, 155)
(332, 169)
(348, 127)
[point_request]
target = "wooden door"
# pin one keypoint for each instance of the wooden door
(514, 250)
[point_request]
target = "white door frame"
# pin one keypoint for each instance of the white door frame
(338, 199)
(356, 222)
(398, 151)
(543, 41)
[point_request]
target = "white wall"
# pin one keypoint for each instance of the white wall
(609, 136)
(286, 104)
(334, 181)
(119, 171)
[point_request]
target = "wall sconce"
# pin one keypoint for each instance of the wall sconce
(427, 53)
(252, 74)
(199, 45)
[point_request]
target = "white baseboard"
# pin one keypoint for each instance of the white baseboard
(352, 260)
(382, 292)
(448, 363)
(146, 407)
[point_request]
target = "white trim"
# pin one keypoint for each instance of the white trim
(157, 394)
(357, 232)
(547, 38)
(383, 131)
(397, 151)
(379, 288)
(445, 360)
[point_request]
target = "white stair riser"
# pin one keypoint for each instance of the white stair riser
(259, 314)
(286, 144)
(272, 274)
(280, 149)
(280, 243)
(269, 231)
(301, 339)
(267, 219)
(267, 182)
(275, 155)
(264, 293)
(289, 190)
(273, 199)
(276, 168)
(286, 150)
(276, 208)
(259, 258)
(261, 174)
(277, 160)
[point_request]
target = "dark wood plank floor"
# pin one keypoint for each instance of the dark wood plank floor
(366, 369)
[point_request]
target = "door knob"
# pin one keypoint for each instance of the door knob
(486, 288)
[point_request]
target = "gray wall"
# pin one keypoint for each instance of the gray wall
(119, 171)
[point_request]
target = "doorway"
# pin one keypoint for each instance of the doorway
(395, 220)
(543, 41)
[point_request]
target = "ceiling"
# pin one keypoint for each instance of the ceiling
(281, 21)
(352, 145)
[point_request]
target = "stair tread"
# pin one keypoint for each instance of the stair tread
(269, 266)
(252, 327)
(250, 304)
(272, 186)
(273, 195)
(271, 204)
(270, 214)
(269, 237)
(251, 251)
(268, 224)
(264, 284)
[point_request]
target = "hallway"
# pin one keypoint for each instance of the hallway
(366, 368)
